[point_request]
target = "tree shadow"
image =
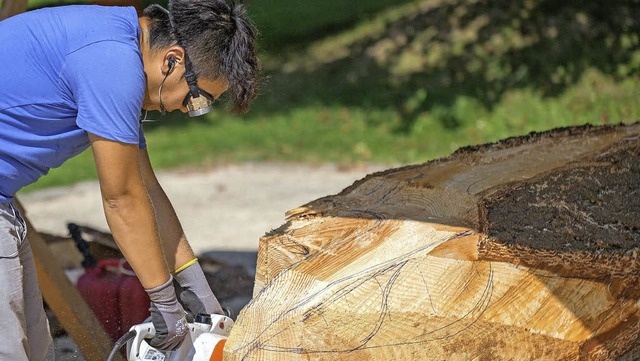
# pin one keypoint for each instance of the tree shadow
(434, 53)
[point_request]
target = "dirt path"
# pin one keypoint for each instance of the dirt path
(225, 208)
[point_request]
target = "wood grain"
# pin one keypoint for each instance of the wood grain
(409, 263)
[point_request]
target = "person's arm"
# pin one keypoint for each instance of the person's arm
(175, 245)
(132, 222)
(128, 209)
(196, 295)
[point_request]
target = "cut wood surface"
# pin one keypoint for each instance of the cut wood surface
(528, 248)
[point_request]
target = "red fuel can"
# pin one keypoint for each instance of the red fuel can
(99, 287)
(132, 299)
(115, 295)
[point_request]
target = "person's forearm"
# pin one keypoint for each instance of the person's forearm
(133, 225)
(175, 245)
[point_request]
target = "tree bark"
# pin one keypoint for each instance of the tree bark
(528, 248)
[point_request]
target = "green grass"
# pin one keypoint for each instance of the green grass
(291, 23)
(407, 83)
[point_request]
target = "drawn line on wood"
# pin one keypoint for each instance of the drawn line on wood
(353, 282)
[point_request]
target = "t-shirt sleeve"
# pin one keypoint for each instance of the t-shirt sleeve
(107, 82)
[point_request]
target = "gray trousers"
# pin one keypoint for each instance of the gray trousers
(24, 328)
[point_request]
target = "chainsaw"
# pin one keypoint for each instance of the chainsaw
(205, 341)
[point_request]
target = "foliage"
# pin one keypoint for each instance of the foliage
(412, 81)
(426, 55)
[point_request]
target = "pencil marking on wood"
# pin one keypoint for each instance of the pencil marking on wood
(523, 249)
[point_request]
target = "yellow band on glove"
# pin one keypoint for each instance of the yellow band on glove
(195, 260)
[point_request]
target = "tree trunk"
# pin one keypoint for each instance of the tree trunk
(523, 249)
(9, 8)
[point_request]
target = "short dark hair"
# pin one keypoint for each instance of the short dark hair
(218, 38)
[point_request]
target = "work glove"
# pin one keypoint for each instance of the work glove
(195, 294)
(168, 317)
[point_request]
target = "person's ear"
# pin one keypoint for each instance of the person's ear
(172, 63)
(173, 58)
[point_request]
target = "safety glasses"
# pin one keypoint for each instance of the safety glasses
(199, 103)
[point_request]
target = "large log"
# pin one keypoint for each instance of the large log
(524, 249)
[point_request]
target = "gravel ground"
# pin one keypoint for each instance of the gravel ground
(225, 208)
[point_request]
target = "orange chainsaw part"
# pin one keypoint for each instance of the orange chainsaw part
(218, 351)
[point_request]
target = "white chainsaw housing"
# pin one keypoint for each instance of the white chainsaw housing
(198, 345)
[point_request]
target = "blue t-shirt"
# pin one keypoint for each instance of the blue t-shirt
(68, 70)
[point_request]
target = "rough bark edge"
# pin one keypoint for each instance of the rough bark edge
(472, 150)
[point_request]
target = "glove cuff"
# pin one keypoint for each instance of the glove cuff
(191, 275)
(163, 295)
(195, 260)
(192, 278)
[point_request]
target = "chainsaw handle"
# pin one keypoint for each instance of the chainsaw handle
(206, 339)
(143, 331)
